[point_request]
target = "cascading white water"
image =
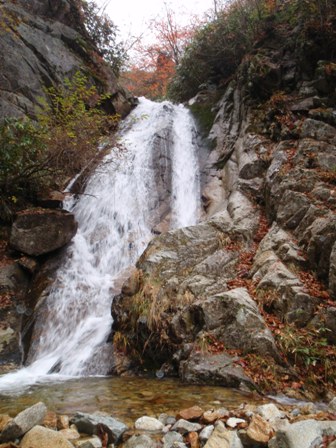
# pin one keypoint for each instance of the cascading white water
(116, 216)
(185, 180)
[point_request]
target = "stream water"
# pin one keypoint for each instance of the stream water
(124, 398)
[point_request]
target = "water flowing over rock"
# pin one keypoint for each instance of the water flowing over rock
(124, 201)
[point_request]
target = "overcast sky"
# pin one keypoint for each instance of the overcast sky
(132, 16)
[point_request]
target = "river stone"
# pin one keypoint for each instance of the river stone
(270, 412)
(183, 426)
(4, 419)
(233, 422)
(50, 420)
(206, 433)
(140, 441)
(304, 434)
(40, 231)
(332, 406)
(223, 438)
(62, 422)
(70, 433)
(90, 424)
(193, 439)
(258, 432)
(171, 438)
(40, 437)
(23, 422)
(88, 442)
(193, 413)
(212, 416)
(148, 424)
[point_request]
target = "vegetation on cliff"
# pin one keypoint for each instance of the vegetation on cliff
(50, 126)
(307, 27)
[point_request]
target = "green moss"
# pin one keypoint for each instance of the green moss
(204, 116)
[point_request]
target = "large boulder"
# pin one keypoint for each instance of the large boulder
(40, 231)
(220, 369)
(23, 422)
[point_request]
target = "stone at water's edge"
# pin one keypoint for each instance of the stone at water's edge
(91, 424)
(148, 424)
(220, 369)
(305, 434)
(40, 231)
(40, 437)
(140, 441)
(23, 422)
(223, 438)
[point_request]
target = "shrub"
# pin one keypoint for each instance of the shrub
(219, 46)
(44, 154)
(73, 124)
(23, 162)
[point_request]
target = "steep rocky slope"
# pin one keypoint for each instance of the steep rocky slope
(42, 43)
(246, 297)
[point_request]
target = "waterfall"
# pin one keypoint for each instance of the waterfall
(151, 176)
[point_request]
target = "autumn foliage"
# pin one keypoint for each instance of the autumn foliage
(155, 63)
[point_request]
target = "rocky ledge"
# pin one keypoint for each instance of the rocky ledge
(268, 425)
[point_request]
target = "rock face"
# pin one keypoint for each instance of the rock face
(208, 295)
(14, 283)
(44, 43)
(39, 231)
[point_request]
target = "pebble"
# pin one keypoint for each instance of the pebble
(183, 426)
(332, 406)
(170, 438)
(269, 412)
(206, 433)
(148, 424)
(233, 422)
